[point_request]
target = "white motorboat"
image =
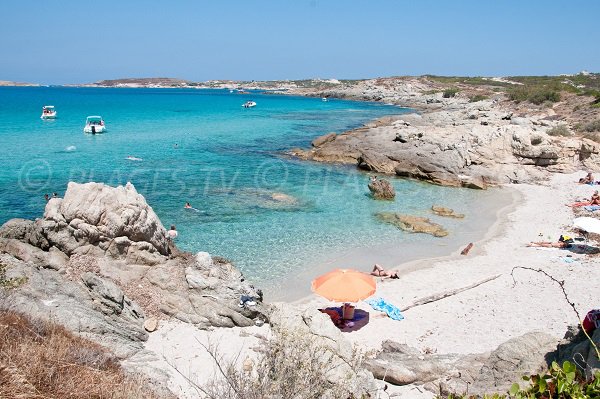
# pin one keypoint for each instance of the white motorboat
(48, 112)
(249, 104)
(94, 125)
(324, 99)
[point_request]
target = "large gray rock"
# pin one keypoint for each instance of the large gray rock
(99, 211)
(576, 348)
(513, 359)
(478, 374)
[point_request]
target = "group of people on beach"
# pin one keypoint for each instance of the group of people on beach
(564, 241)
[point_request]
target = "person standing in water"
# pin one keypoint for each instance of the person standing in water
(172, 233)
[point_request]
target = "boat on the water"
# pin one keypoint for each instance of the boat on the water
(94, 125)
(48, 112)
(249, 104)
(324, 99)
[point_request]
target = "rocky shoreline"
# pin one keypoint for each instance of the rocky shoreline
(100, 263)
(452, 141)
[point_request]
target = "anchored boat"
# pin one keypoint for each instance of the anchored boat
(249, 104)
(48, 112)
(94, 125)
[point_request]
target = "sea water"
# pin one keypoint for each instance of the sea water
(280, 220)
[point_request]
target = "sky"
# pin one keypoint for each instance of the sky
(79, 41)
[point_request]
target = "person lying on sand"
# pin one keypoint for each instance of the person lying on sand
(564, 241)
(594, 200)
(548, 244)
(381, 272)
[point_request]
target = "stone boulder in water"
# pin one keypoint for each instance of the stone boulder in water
(446, 212)
(413, 224)
(382, 189)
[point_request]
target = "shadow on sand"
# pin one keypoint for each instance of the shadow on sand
(361, 319)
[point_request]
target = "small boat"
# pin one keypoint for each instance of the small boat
(324, 99)
(94, 125)
(48, 112)
(249, 104)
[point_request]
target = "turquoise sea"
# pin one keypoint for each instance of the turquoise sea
(280, 220)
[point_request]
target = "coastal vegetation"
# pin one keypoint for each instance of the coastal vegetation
(564, 382)
(291, 365)
(559, 130)
(40, 359)
(450, 92)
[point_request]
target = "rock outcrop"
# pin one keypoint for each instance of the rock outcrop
(576, 348)
(100, 263)
(454, 142)
(382, 189)
(478, 374)
(413, 224)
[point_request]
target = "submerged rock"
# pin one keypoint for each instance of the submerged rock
(381, 189)
(446, 212)
(413, 224)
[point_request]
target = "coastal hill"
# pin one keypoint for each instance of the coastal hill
(18, 84)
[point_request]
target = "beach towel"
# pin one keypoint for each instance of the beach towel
(381, 305)
(592, 208)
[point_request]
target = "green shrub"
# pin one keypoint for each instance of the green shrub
(450, 92)
(593, 126)
(478, 97)
(535, 95)
(560, 130)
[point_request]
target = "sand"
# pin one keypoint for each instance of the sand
(474, 321)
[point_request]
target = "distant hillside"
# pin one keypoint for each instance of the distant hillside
(144, 82)
(10, 83)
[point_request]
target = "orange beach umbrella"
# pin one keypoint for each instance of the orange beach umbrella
(344, 285)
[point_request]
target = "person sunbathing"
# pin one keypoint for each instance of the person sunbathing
(594, 200)
(564, 241)
(588, 179)
(381, 272)
(548, 244)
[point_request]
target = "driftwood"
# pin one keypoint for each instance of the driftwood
(467, 249)
(446, 294)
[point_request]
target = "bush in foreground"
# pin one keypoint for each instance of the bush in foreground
(291, 366)
(39, 359)
(564, 382)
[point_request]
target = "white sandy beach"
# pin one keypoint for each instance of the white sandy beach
(476, 320)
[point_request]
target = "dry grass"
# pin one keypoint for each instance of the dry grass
(39, 359)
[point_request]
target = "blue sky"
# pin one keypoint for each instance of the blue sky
(76, 41)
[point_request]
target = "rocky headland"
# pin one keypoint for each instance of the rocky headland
(460, 134)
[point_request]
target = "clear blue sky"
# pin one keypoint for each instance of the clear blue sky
(75, 41)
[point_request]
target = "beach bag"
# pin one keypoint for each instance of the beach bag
(591, 321)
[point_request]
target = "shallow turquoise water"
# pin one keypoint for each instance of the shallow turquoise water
(201, 146)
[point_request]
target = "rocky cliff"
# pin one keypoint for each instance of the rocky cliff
(100, 263)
